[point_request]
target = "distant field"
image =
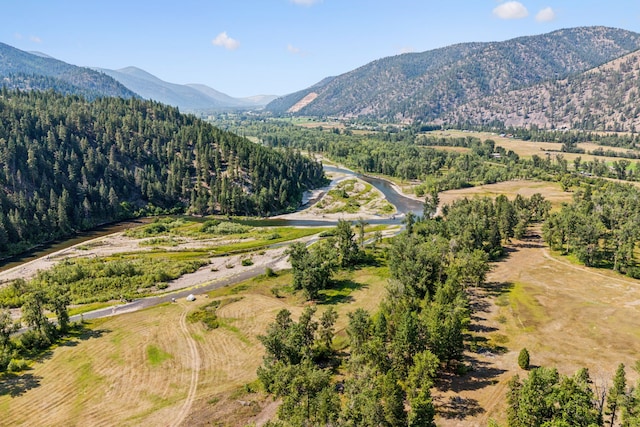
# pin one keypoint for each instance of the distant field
(551, 191)
(529, 148)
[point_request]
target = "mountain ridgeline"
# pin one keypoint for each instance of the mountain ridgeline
(28, 71)
(192, 97)
(70, 164)
(425, 86)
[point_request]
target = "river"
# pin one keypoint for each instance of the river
(402, 203)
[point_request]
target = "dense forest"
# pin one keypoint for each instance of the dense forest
(70, 164)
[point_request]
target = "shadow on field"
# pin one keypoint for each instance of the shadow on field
(456, 407)
(340, 292)
(496, 289)
(16, 385)
(481, 375)
(81, 333)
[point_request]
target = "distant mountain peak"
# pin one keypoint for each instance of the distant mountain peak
(190, 97)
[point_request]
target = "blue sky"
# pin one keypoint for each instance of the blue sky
(250, 47)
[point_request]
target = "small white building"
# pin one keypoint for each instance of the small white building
(191, 297)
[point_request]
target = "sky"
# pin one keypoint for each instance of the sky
(276, 47)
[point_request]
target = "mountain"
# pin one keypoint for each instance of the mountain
(27, 71)
(250, 101)
(604, 99)
(424, 86)
(191, 97)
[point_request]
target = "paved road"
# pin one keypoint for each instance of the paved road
(151, 301)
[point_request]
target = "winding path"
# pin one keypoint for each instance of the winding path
(195, 370)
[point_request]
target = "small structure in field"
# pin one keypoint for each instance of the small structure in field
(191, 297)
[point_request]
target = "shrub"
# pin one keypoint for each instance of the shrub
(17, 365)
(523, 359)
(230, 228)
(247, 262)
(209, 226)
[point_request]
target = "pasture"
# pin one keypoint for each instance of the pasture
(567, 316)
(153, 367)
(527, 149)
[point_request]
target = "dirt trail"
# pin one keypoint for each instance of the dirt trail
(195, 369)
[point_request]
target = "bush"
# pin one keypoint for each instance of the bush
(247, 262)
(17, 365)
(230, 228)
(34, 341)
(523, 359)
(209, 226)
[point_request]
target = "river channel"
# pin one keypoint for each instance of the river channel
(402, 203)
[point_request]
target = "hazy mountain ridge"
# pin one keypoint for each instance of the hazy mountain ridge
(190, 97)
(39, 71)
(28, 71)
(430, 84)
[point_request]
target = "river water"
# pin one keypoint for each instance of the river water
(402, 203)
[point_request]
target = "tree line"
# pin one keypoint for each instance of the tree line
(600, 226)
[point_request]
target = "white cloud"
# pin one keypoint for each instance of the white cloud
(305, 2)
(18, 36)
(545, 15)
(293, 49)
(406, 49)
(511, 10)
(35, 39)
(225, 41)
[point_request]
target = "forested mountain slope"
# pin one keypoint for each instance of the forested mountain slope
(601, 99)
(426, 85)
(69, 164)
(29, 71)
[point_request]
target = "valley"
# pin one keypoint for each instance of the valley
(448, 237)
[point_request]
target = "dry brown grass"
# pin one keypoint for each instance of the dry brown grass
(551, 191)
(567, 316)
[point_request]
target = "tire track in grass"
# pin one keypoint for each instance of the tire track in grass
(195, 370)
